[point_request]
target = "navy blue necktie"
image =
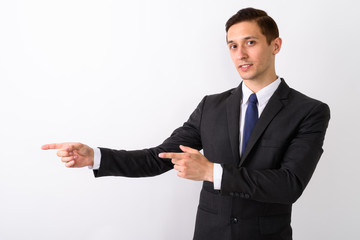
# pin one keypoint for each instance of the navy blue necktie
(251, 117)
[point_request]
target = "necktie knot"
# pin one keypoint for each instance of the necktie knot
(253, 98)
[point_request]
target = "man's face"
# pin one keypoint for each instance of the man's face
(253, 57)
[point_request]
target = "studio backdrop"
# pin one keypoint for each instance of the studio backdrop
(124, 75)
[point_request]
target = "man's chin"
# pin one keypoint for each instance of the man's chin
(246, 76)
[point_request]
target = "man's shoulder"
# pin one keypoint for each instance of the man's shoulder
(294, 96)
(222, 96)
(297, 97)
(303, 104)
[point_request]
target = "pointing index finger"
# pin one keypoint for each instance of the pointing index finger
(170, 155)
(54, 146)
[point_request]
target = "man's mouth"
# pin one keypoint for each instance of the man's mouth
(245, 67)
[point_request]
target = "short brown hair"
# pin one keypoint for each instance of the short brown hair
(267, 25)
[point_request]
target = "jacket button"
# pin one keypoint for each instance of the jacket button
(234, 220)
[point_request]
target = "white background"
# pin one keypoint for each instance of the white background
(124, 74)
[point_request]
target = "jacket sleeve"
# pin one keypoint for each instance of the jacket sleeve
(286, 183)
(146, 163)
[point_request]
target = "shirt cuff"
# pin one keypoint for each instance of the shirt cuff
(218, 171)
(97, 159)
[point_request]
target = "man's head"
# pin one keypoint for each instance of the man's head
(266, 24)
(253, 41)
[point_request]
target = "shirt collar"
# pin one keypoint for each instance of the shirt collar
(264, 94)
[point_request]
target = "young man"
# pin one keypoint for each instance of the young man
(261, 143)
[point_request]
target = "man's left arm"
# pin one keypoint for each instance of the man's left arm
(286, 183)
(282, 185)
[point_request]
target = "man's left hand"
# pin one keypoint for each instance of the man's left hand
(191, 164)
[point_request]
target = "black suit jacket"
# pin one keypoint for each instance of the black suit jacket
(258, 189)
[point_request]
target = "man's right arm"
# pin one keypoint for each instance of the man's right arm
(138, 163)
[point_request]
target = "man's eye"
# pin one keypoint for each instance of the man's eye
(233, 46)
(251, 42)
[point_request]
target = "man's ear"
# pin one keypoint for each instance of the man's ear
(277, 45)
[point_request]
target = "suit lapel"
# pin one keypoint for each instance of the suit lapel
(233, 117)
(273, 107)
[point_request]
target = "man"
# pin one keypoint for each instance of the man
(261, 143)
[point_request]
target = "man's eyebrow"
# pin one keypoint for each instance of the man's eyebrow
(245, 38)
(250, 37)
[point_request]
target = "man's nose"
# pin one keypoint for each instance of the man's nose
(241, 53)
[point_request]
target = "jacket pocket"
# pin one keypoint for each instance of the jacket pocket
(208, 202)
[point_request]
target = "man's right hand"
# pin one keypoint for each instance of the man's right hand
(73, 154)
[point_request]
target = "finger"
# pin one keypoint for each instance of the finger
(70, 164)
(181, 174)
(188, 149)
(53, 146)
(64, 153)
(179, 162)
(171, 155)
(175, 157)
(73, 146)
(67, 159)
(67, 145)
(179, 168)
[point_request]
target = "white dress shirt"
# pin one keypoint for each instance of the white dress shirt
(263, 97)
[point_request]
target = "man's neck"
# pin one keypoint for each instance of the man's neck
(257, 85)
